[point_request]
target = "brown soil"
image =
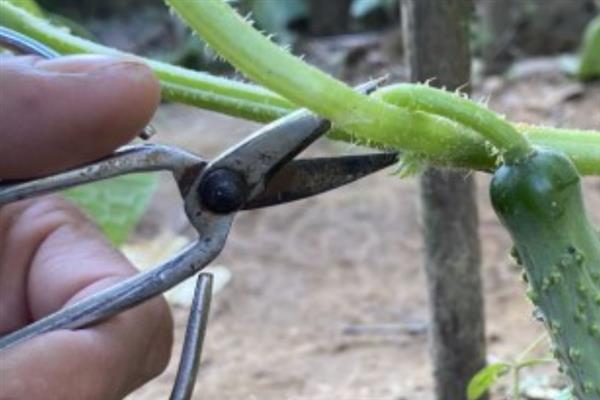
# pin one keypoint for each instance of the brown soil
(328, 299)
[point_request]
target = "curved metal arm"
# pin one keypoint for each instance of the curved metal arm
(194, 339)
(22, 44)
(136, 289)
(126, 160)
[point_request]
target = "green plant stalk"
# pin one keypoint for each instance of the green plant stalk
(525, 353)
(460, 146)
(516, 383)
(30, 5)
(458, 108)
(516, 373)
(534, 362)
(178, 84)
(365, 117)
(202, 89)
(581, 146)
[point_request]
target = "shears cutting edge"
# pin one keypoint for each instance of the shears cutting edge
(258, 172)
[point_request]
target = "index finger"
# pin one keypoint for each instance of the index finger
(64, 112)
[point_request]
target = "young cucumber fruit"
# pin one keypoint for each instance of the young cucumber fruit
(539, 200)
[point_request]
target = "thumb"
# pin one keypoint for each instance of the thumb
(59, 113)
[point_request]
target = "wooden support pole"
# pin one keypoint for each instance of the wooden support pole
(437, 46)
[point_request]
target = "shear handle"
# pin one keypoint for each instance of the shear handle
(134, 290)
(22, 44)
(194, 339)
(128, 159)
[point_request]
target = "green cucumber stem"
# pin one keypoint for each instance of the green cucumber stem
(442, 141)
(236, 40)
(178, 84)
(462, 110)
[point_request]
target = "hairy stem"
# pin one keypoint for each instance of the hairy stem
(365, 117)
(178, 84)
(458, 108)
(428, 129)
(368, 118)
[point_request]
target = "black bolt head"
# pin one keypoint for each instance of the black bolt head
(223, 191)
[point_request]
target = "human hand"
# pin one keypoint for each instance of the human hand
(57, 114)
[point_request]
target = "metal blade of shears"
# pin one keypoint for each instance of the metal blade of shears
(265, 152)
(307, 177)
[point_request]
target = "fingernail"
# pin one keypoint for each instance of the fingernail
(86, 64)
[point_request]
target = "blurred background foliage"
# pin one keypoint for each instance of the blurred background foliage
(504, 30)
(146, 27)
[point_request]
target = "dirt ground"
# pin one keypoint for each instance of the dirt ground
(327, 299)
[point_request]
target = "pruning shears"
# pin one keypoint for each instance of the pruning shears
(258, 172)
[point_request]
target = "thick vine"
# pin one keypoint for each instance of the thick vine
(432, 124)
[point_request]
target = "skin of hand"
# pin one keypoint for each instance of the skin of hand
(56, 114)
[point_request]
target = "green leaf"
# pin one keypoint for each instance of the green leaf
(589, 66)
(116, 204)
(485, 379)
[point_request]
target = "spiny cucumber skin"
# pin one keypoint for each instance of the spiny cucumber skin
(540, 202)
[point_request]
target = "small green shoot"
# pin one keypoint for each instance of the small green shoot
(486, 379)
(489, 376)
